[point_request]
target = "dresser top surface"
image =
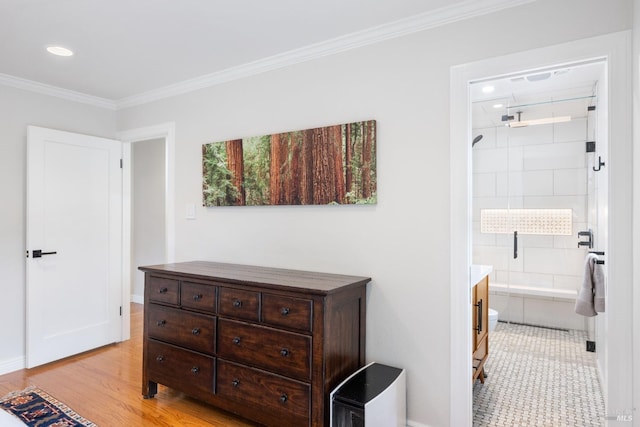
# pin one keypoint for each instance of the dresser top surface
(260, 276)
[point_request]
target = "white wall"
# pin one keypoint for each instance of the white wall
(403, 242)
(18, 109)
(148, 222)
(636, 204)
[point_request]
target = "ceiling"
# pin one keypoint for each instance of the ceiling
(555, 92)
(125, 48)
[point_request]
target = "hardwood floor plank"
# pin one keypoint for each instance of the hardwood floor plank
(103, 385)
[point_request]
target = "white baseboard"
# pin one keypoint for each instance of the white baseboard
(138, 299)
(12, 365)
(411, 423)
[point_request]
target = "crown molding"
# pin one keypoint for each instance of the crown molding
(439, 17)
(45, 89)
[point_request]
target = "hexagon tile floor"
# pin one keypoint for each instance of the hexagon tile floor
(538, 377)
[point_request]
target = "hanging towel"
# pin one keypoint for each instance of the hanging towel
(591, 298)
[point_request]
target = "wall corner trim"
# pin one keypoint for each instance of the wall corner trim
(58, 92)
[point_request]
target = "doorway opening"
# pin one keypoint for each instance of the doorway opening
(148, 224)
(614, 50)
(152, 137)
(539, 211)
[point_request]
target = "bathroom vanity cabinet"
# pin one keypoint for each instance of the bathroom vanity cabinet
(480, 325)
(267, 344)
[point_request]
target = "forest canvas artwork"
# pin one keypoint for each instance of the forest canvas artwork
(321, 166)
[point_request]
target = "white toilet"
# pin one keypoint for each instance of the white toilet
(493, 319)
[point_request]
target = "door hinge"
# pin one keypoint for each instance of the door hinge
(120, 310)
(120, 163)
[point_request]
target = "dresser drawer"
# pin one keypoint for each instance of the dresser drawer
(287, 399)
(198, 296)
(179, 368)
(240, 303)
(163, 290)
(192, 330)
(285, 353)
(287, 312)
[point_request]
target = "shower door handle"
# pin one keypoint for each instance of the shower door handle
(515, 244)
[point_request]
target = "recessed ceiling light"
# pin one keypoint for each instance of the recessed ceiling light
(488, 89)
(496, 106)
(59, 50)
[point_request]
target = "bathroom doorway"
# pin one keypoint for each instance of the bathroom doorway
(618, 350)
(539, 203)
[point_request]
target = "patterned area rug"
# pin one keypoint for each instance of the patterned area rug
(36, 408)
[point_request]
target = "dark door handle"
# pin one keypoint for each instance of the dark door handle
(515, 244)
(479, 305)
(37, 253)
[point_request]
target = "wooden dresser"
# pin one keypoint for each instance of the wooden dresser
(480, 325)
(267, 344)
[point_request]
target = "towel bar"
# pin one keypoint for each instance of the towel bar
(598, 261)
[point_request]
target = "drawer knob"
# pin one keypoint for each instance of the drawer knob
(197, 297)
(284, 311)
(284, 352)
(284, 398)
(235, 382)
(160, 358)
(195, 331)
(162, 322)
(195, 370)
(163, 290)
(237, 303)
(236, 340)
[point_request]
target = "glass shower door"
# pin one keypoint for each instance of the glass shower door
(530, 202)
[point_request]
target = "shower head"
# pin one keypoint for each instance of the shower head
(476, 140)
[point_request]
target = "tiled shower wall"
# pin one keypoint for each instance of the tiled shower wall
(532, 167)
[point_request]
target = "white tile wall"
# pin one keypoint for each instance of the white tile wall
(535, 241)
(575, 130)
(484, 185)
(490, 160)
(578, 204)
(482, 239)
(554, 261)
(496, 256)
(570, 182)
(533, 183)
(530, 135)
(567, 155)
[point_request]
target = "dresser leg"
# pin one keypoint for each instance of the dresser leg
(152, 389)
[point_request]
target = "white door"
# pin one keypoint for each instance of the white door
(74, 217)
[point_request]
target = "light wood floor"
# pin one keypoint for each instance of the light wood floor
(104, 385)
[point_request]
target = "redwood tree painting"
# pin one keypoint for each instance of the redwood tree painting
(321, 166)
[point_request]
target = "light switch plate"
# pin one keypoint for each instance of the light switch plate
(191, 211)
